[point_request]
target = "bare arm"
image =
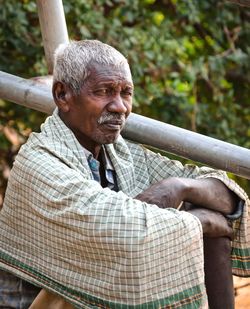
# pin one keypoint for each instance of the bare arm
(209, 193)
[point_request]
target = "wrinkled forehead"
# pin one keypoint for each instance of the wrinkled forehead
(118, 72)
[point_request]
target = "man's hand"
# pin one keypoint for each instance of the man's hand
(166, 193)
(214, 224)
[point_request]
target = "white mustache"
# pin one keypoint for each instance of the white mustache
(111, 117)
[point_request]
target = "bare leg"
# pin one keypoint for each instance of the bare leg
(48, 300)
(218, 273)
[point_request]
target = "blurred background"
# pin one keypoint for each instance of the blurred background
(190, 60)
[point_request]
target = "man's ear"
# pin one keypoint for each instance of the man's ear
(62, 95)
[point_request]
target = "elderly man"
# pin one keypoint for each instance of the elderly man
(95, 219)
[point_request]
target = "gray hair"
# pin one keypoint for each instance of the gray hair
(73, 61)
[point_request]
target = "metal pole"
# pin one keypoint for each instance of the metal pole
(29, 93)
(53, 27)
(187, 144)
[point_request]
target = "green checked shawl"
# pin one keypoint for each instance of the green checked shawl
(61, 230)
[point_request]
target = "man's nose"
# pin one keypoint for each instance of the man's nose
(117, 105)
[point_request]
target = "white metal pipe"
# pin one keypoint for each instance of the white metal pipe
(53, 27)
(37, 95)
(190, 145)
(29, 93)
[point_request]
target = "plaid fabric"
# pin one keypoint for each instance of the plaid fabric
(15, 292)
(61, 230)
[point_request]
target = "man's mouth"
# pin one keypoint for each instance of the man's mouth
(113, 125)
(112, 122)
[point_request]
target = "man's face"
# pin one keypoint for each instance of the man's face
(98, 113)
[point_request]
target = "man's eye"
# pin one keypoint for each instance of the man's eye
(102, 91)
(127, 92)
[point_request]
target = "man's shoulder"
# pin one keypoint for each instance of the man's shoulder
(44, 152)
(54, 140)
(40, 144)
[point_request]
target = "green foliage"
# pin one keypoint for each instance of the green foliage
(190, 59)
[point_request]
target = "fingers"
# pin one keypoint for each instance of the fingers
(214, 224)
(219, 225)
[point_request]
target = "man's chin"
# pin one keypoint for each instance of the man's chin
(111, 139)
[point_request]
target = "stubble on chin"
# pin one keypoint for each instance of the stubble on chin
(106, 138)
